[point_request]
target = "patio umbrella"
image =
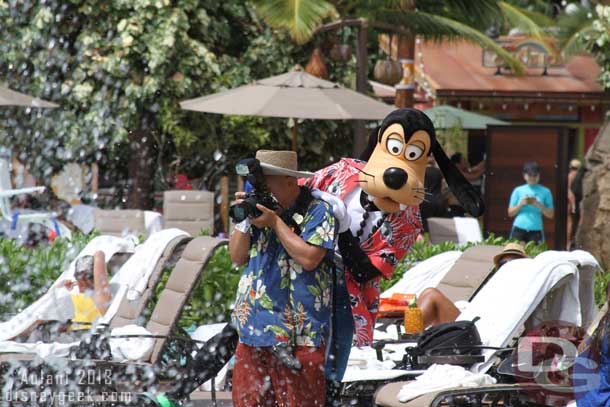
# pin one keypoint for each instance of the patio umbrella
(296, 95)
(11, 98)
(448, 117)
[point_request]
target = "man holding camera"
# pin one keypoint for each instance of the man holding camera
(283, 304)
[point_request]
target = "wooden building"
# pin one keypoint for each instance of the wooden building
(556, 110)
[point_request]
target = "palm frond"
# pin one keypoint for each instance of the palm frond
(480, 14)
(301, 17)
(573, 28)
(517, 17)
(576, 43)
(434, 27)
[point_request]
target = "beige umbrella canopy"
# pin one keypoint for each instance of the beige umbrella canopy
(11, 98)
(296, 95)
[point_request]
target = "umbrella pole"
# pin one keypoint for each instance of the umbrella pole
(294, 132)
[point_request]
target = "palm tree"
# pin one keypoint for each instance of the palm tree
(431, 19)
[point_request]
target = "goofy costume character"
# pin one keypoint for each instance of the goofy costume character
(381, 192)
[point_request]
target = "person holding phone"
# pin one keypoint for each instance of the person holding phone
(528, 204)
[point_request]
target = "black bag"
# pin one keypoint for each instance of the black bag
(458, 338)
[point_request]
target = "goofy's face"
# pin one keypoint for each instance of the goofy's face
(396, 157)
(394, 174)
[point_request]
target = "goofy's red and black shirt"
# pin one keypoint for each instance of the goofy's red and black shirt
(386, 238)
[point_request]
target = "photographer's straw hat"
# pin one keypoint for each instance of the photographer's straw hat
(281, 163)
(511, 248)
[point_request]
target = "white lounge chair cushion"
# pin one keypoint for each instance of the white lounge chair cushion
(439, 377)
(131, 349)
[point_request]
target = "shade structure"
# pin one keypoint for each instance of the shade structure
(11, 98)
(294, 94)
(448, 117)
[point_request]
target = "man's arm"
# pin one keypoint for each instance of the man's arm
(239, 243)
(548, 213)
(102, 295)
(239, 246)
(307, 255)
(513, 210)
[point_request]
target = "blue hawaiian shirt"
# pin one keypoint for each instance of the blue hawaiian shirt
(279, 301)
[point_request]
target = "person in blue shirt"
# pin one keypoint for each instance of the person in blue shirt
(283, 303)
(528, 204)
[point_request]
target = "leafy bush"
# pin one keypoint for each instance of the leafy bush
(27, 273)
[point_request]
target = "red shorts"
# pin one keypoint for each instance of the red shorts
(260, 380)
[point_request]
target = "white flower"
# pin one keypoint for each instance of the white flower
(260, 289)
(326, 297)
(244, 284)
(295, 268)
(298, 218)
(284, 265)
(317, 304)
(325, 231)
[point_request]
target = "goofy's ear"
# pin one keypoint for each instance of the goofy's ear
(468, 197)
(373, 140)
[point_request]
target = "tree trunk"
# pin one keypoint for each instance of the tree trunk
(405, 89)
(141, 170)
(594, 227)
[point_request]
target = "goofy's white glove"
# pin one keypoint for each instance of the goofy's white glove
(339, 209)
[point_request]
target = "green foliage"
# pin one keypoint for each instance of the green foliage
(215, 293)
(300, 17)
(422, 250)
(597, 40)
(27, 273)
(116, 67)
(601, 281)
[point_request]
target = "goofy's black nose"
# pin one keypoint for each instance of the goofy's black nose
(395, 178)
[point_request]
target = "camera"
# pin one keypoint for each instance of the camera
(251, 169)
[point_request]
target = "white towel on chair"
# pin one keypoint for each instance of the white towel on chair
(131, 349)
(468, 230)
(439, 377)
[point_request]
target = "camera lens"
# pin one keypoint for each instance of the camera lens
(237, 213)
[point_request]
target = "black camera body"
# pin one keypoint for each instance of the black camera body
(251, 169)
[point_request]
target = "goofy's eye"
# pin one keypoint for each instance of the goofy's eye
(394, 146)
(413, 152)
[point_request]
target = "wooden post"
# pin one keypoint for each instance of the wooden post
(295, 134)
(359, 140)
(224, 202)
(95, 174)
(240, 183)
(405, 89)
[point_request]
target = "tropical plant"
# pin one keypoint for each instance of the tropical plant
(27, 273)
(118, 70)
(576, 28)
(436, 19)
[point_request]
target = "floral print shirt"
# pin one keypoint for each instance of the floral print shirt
(277, 299)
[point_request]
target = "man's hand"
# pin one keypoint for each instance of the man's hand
(240, 196)
(538, 204)
(268, 218)
(523, 201)
(67, 284)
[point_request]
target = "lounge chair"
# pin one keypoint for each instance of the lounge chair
(142, 374)
(457, 230)
(16, 218)
(110, 245)
(192, 211)
(517, 296)
(130, 285)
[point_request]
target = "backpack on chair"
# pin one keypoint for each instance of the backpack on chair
(451, 341)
